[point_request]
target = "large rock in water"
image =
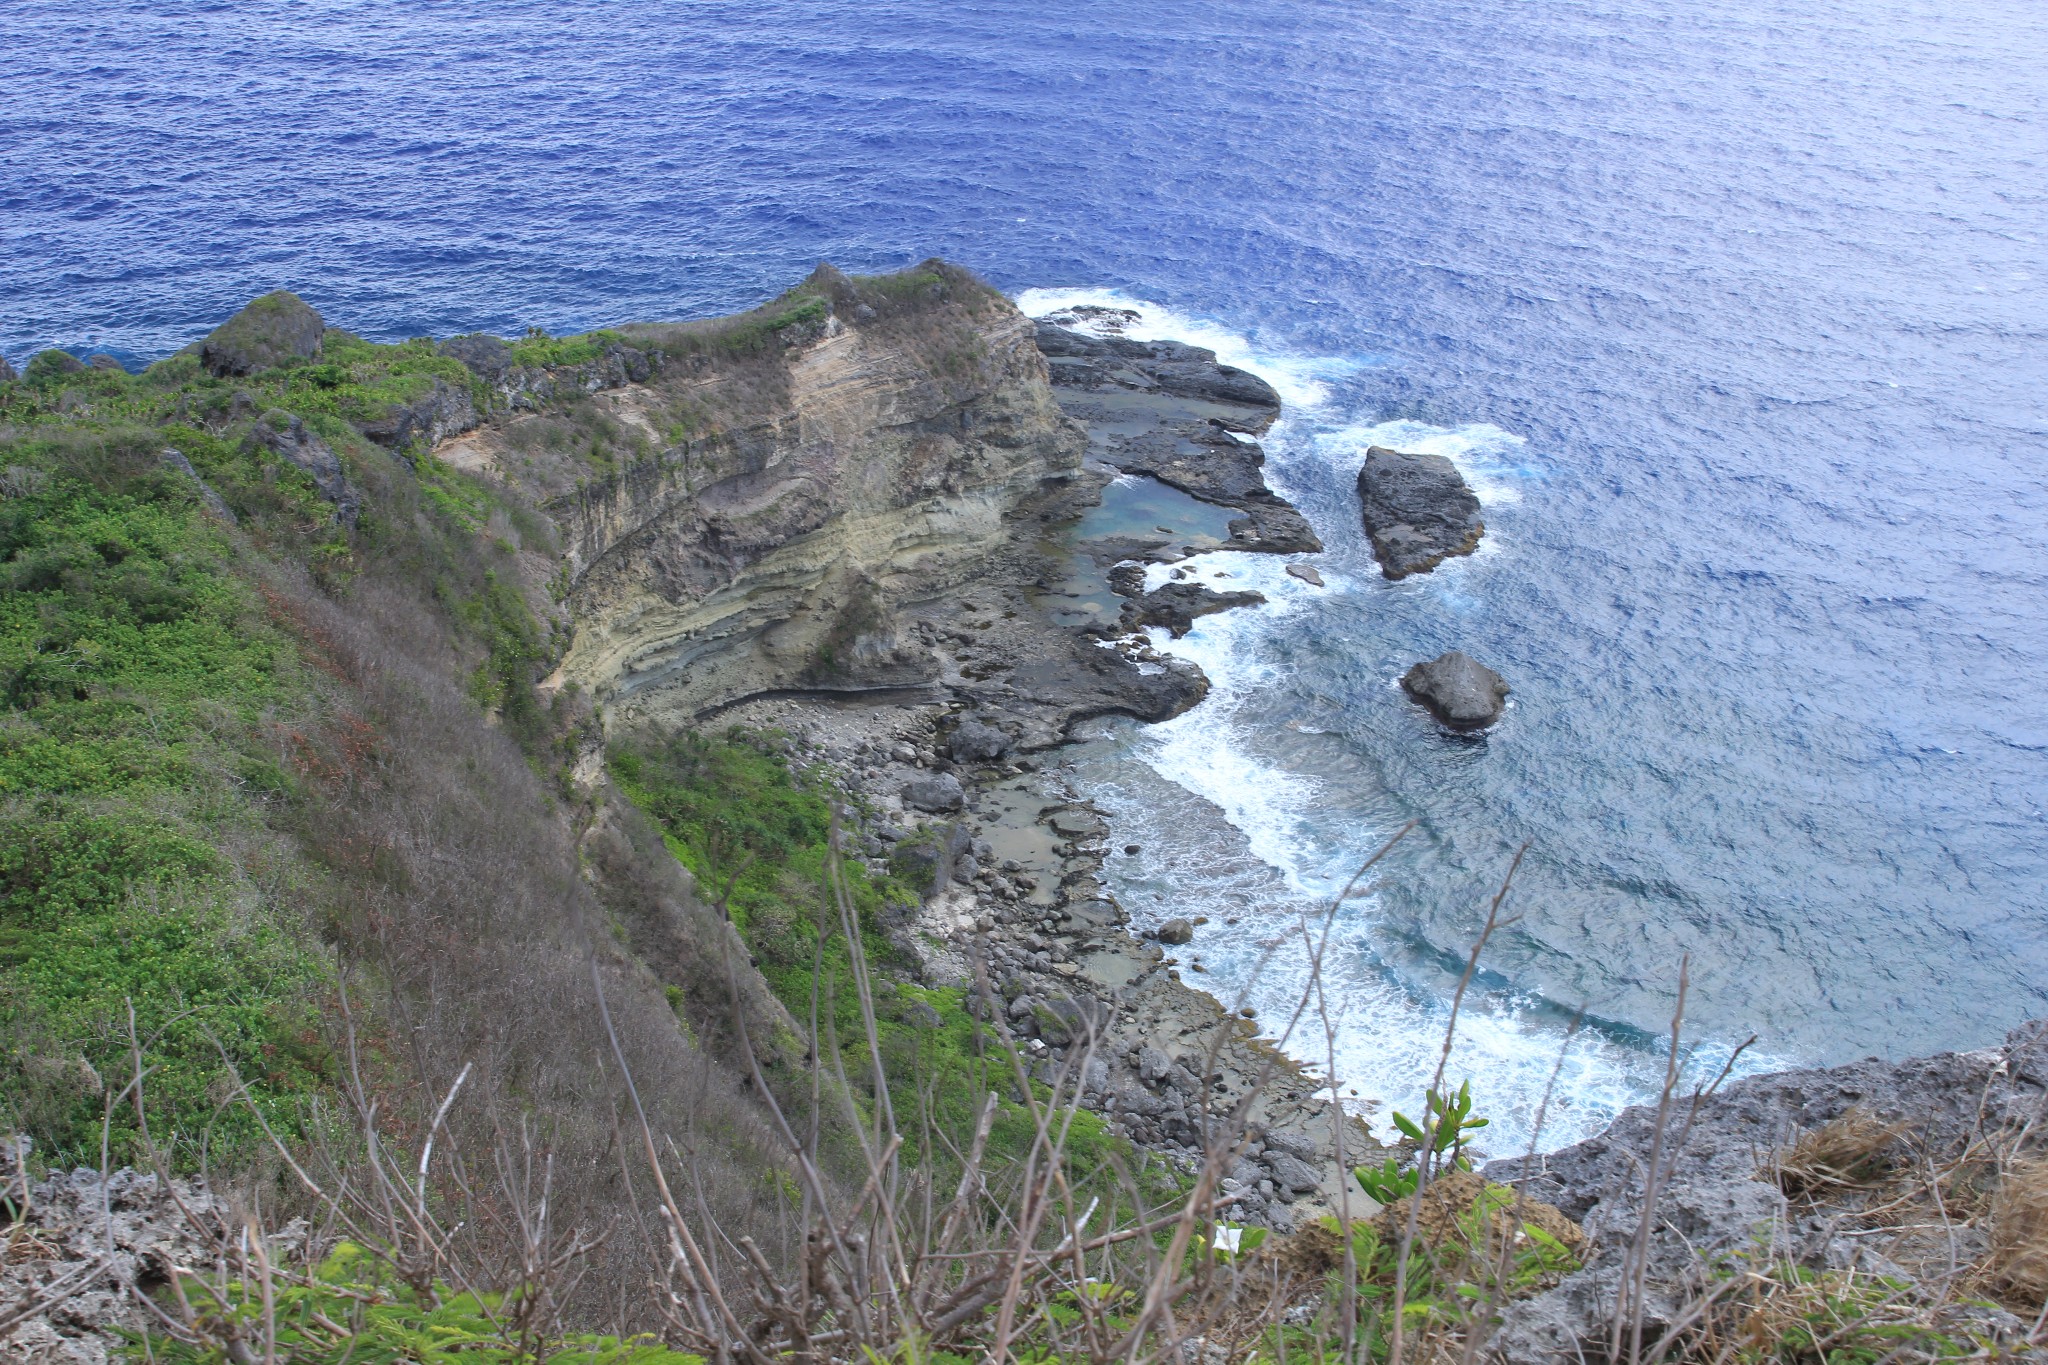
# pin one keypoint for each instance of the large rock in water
(271, 330)
(1459, 690)
(1417, 510)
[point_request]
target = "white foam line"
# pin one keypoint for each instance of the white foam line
(1300, 380)
(1388, 1040)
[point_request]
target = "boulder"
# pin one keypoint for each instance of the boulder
(7, 374)
(52, 364)
(1458, 690)
(487, 357)
(974, 742)
(1306, 573)
(1153, 1065)
(270, 331)
(939, 793)
(1292, 1173)
(1417, 510)
(283, 434)
(1175, 931)
(925, 861)
(103, 361)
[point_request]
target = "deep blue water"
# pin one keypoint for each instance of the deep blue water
(1735, 311)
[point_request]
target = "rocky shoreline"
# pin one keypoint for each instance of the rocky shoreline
(956, 785)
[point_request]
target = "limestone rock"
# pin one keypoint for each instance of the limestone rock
(1177, 605)
(939, 793)
(1306, 573)
(441, 412)
(1458, 690)
(974, 742)
(270, 331)
(925, 861)
(487, 357)
(282, 433)
(1175, 931)
(7, 374)
(1417, 510)
(103, 361)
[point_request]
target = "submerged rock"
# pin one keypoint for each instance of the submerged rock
(1459, 690)
(271, 330)
(1417, 510)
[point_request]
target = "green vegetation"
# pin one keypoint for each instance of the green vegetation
(538, 350)
(352, 381)
(353, 1311)
(755, 834)
(136, 674)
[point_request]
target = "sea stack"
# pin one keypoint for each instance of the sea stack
(1417, 510)
(1458, 690)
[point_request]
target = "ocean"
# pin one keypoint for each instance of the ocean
(1734, 313)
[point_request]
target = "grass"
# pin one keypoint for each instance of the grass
(754, 831)
(136, 671)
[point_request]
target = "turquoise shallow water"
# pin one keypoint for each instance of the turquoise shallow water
(1732, 310)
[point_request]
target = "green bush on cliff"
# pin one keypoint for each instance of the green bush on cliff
(754, 832)
(134, 671)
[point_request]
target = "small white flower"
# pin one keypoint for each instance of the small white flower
(1227, 1238)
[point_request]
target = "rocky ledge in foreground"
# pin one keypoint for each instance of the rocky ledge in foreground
(1458, 690)
(1417, 510)
(1917, 1180)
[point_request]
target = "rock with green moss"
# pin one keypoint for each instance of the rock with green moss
(284, 434)
(488, 358)
(52, 364)
(924, 861)
(278, 328)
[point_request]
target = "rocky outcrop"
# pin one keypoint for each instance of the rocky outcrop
(284, 434)
(1722, 1183)
(1170, 367)
(1176, 606)
(1177, 414)
(52, 364)
(441, 412)
(1458, 690)
(7, 374)
(487, 357)
(1417, 511)
(841, 482)
(268, 332)
(86, 1244)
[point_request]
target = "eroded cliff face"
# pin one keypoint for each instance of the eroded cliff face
(781, 503)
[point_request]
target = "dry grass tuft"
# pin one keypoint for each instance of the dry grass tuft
(1853, 1149)
(2018, 1261)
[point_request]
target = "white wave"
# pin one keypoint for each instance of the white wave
(1492, 460)
(1302, 381)
(1388, 1035)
